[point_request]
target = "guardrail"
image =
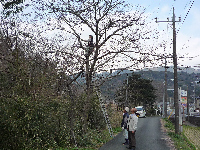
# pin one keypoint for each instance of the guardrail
(195, 120)
(194, 113)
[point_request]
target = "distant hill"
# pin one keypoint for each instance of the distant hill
(171, 69)
(157, 76)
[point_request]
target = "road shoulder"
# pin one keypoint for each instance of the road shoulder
(168, 140)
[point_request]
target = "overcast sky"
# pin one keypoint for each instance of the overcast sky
(188, 37)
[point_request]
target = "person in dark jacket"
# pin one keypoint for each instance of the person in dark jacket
(124, 125)
(90, 46)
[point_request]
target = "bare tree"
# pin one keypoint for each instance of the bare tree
(116, 28)
(115, 25)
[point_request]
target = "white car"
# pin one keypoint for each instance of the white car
(141, 111)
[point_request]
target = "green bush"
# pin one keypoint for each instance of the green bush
(39, 111)
(28, 124)
(32, 125)
(169, 124)
(117, 130)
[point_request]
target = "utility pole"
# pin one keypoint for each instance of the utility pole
(176, 102)
(194, 94)
(187, 99)
(165, 99)
(180, 119)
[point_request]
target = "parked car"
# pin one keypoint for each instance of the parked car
(141, 111)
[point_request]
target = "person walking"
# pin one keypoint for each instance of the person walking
(124, 125)
(131, 127)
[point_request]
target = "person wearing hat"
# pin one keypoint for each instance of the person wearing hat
(131, 127)
(124, 125)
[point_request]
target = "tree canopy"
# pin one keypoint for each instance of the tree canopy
(139, 91)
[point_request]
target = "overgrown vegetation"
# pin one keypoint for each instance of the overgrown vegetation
(180, 140)
(39, 110)
(43, 124)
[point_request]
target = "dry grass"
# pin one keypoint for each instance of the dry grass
(193, 135)
(115, 116)
(116, 119)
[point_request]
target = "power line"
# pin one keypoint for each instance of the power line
(185, 16)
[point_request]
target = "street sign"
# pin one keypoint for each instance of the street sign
(183, 93)
(184, 101)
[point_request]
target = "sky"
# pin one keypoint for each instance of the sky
(188, 30)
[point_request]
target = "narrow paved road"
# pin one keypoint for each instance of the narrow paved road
(148, 137)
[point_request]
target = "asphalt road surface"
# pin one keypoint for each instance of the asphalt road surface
(148, 137)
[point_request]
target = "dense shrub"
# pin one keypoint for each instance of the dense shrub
(38, 108)
(28, 124)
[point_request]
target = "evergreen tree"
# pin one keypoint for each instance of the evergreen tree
(139, 91)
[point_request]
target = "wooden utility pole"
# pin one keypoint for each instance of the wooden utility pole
(176, 102)
(187, 99)
(165, 98)
(187, 105)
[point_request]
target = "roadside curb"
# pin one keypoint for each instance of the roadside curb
(169, 141)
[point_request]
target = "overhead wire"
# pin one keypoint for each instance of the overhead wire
(164, 44)
(190, 4)
(186, 15)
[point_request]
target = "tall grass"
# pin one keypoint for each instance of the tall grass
(181, 141)
(193, 135)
